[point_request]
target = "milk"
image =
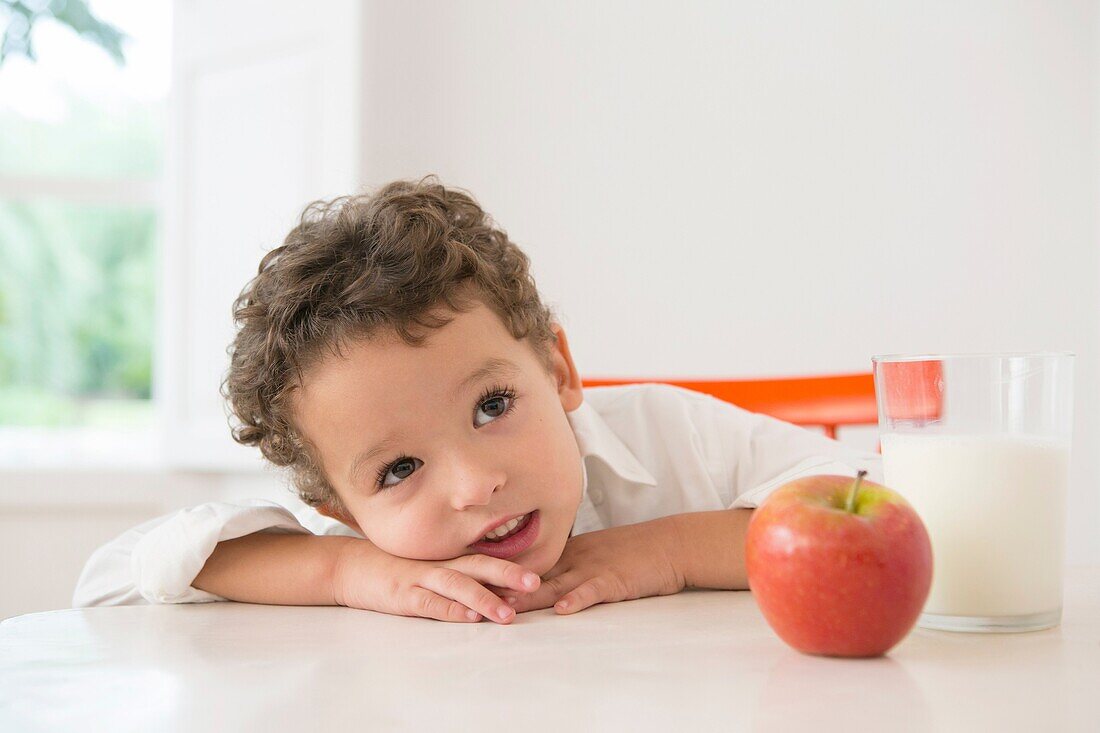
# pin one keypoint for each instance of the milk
(995, 508)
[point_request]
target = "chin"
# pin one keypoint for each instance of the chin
(547, 559)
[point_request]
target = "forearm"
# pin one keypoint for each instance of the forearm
(710, 548)
(281, 569)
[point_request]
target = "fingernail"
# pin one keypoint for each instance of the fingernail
(504, 612)
(472, 615)
(563, 605)
(510, 600)
(530, 580)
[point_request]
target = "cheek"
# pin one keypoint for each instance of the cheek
(411, 533)
(564, 457)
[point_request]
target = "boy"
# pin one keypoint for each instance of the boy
(394, 353)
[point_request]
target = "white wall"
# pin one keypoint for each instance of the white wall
(765, 188)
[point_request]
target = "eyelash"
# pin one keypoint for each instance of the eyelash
(498, 391)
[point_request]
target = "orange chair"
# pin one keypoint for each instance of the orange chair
(828, 401)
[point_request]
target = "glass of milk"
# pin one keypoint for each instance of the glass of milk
(979, 445)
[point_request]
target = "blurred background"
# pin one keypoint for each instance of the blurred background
(709, 189)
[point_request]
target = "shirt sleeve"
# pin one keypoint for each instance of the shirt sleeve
(758, 453)
(157, 561)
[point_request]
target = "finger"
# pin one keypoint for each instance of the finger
(506, 594)
(524, 603)
(557, 570)
(547, 593)
(499, 572)
(588, 593)
(451, 583)
(427, 604)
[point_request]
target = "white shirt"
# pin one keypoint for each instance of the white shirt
(648, 451)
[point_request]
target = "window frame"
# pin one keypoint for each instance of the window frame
(25, 447)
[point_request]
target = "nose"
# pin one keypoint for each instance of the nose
(472, 479)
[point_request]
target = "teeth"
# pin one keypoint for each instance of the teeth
(505, 528)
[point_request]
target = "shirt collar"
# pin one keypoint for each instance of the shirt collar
(596, 439)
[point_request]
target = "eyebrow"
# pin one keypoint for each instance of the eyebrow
(491, 368)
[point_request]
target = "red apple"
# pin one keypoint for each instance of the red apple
(839, 566)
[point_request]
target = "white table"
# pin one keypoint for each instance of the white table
(698, 660)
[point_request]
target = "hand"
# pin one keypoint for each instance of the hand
(617, 564)
(448, 590)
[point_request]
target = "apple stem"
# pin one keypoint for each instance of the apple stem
(855, 490)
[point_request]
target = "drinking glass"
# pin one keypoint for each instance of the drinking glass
(979, 445)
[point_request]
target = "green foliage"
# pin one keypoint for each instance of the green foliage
(78, 294)
(76, 280)
(22, 17)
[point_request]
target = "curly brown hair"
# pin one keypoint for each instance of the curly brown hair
(355, 266)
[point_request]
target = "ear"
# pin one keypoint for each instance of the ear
(328, 509)
(566, 378)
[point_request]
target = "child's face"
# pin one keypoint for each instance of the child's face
(455, 457)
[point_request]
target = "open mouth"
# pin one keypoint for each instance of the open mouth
(508, 529)
(515, 540)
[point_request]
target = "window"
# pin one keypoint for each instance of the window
(81, 149)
